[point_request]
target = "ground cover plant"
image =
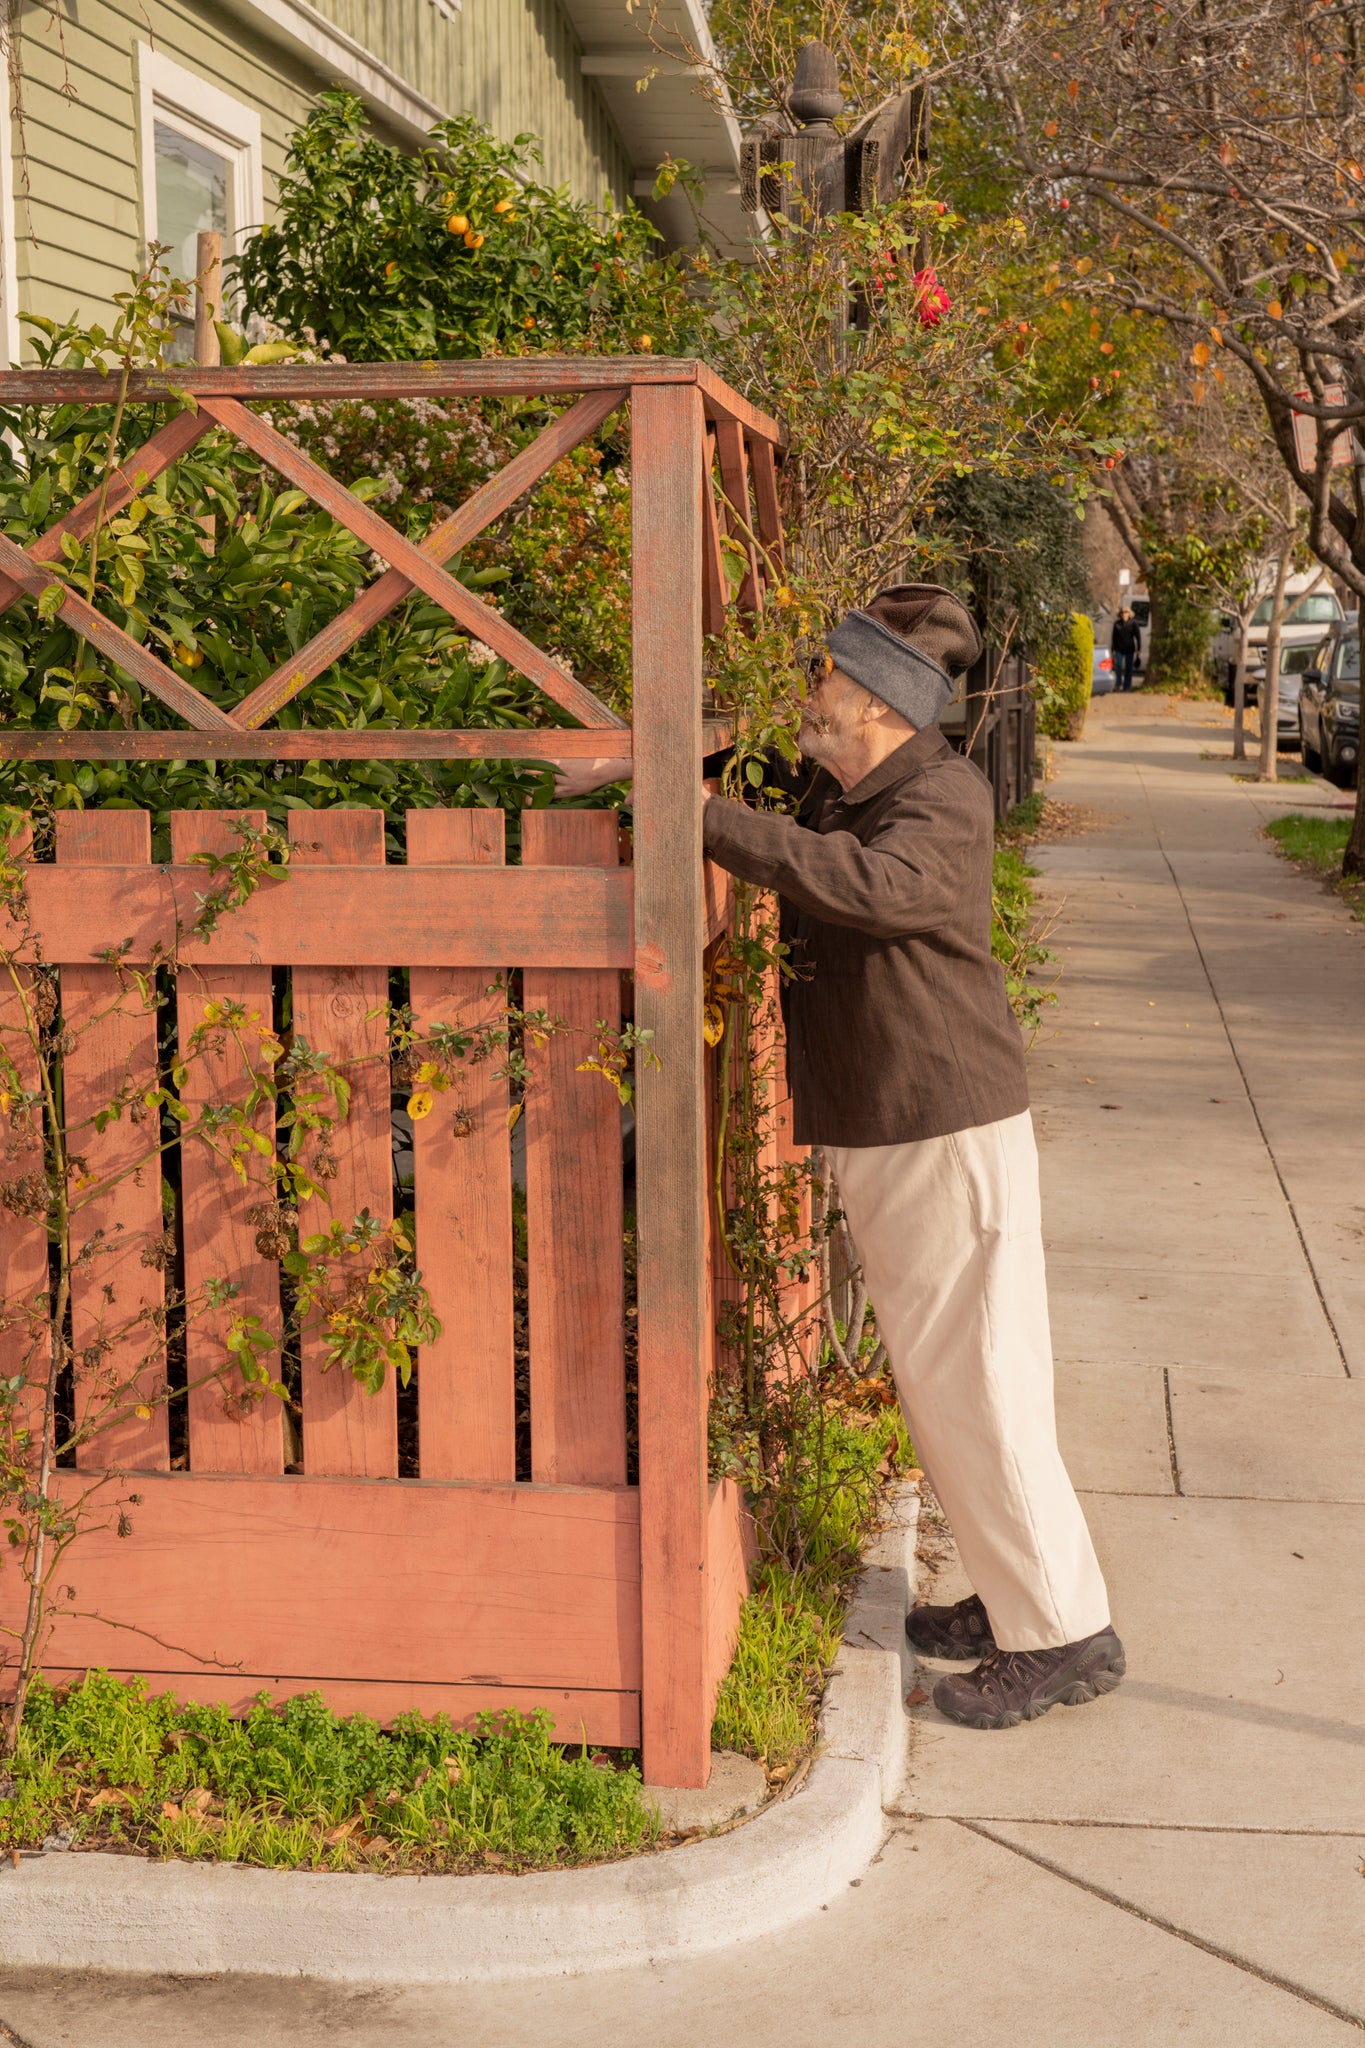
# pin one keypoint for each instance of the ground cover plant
(792, 1622)
(110, 1765)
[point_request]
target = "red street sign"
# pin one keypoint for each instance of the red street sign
(1305, 431)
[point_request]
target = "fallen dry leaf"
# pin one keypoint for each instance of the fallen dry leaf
(197, 1801)
(113, 1795)
(337, 1835)
(169, 1810)
(454, 1769)
(916, 1696)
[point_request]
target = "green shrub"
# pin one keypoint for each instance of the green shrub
(1065, 677)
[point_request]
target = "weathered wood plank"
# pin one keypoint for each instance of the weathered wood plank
(25, 1301)
(117, 1294)
(113, 643)
(574, 1201)
(464, 607)
(714, 589)
(732, 449)
(611, 1719)
(406, 1581)
(560, 917)
(763, 467)
(509, 377)
(228, 1432)
(319, 743)
(342, 1010)
(731, 1548)
(667, 442)
(479, 510)
(133, 475)
(463, 1176)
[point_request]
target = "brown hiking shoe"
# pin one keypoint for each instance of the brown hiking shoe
(1010, 1686)
(960, 1631)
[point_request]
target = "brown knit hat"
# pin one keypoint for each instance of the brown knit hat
(907, 646)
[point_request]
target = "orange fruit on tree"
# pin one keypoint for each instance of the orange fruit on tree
(458, 224)
(473, 240)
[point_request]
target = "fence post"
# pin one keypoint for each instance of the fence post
(667, 441)
(208, 297)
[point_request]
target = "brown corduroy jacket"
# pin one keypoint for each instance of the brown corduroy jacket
(898, 1026)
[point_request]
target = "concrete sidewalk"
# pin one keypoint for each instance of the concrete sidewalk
(1184, 1861)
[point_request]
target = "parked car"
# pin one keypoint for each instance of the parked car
(1317, 609)
(1101, 672)
(1294, 661)
(1329, 704)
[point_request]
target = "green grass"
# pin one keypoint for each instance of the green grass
(1317, 844)
(300, 1788)
(792, 1622)
(1014, 932)
(1314, 842)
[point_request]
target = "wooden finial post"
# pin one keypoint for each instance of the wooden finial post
(208, 297)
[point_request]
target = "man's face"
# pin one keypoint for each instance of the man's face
(832, 712)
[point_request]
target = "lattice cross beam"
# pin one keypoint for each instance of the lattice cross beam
(376, 533)
(478, 511)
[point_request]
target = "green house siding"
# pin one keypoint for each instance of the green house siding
(77, 140)
(514, 63)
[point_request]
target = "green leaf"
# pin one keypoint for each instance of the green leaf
(50, 601)
(231, 344)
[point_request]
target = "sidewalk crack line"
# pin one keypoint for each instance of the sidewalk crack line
(1209, 1948)
(1246, 1084)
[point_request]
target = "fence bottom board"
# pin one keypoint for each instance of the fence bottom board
(391, 1581)
(580, 1714)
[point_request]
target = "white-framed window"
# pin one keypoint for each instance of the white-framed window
(201, 163)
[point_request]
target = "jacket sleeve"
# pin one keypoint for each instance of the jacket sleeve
(910, 878)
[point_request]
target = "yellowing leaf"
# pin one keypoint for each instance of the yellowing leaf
(1106, 348)
(1084, 264)
(143, 1412)
(420, 1104)
(1217, 334)
(1049, 127)
(514, 1116)
(1200, 353)
(1275, 310)
(713, 1023)
(1199, 390)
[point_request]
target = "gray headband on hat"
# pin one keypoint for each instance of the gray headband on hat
(893, 669)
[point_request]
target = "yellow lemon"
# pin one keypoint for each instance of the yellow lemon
(188, 657)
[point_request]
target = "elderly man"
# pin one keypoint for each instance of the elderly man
(907, 1067)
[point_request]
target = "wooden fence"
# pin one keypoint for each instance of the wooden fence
(471, 1584)
(993, 720)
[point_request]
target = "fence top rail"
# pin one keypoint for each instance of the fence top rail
(511, 377)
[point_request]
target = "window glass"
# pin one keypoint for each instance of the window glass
(1318, 610)
(1294, 660)
(1348, 660)
(192, 185)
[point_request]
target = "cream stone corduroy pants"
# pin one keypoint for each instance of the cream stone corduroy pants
(950, 1235)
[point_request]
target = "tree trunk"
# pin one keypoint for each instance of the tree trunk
(1270, 682)
(1353, 860)
(1239, 691)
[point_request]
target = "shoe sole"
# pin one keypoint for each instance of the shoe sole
(1075, 1693)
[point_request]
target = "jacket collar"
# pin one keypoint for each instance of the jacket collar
(928, 744)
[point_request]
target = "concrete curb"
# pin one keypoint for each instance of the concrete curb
(119, 1913)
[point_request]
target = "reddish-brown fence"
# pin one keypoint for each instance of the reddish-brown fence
(611, 1601)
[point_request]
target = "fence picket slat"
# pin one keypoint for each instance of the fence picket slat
(574, 1200)
(340, 1011)
(116, 1295)
(226, 1432)
(734, 474)
(24, 1319)
(466, 1398)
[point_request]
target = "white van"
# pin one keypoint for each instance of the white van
(1304, 626)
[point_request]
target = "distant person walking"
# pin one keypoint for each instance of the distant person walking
(1126, 641)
